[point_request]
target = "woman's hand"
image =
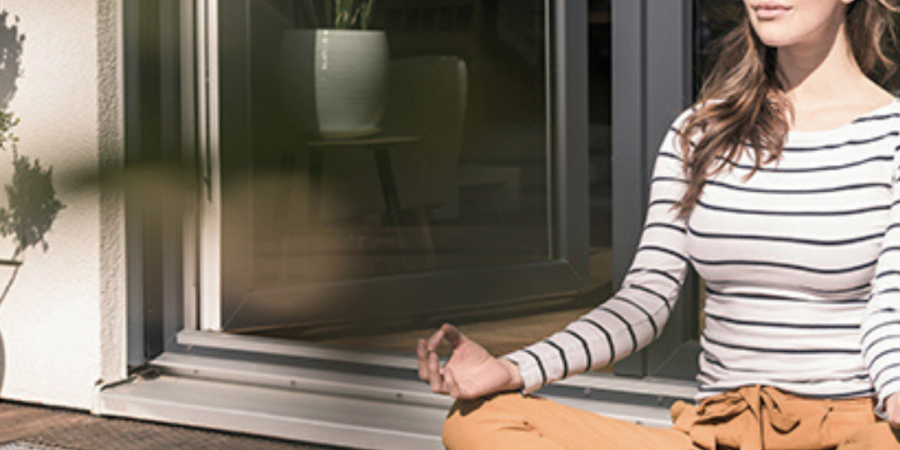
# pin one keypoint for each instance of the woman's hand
(471, 371)
(892, 408)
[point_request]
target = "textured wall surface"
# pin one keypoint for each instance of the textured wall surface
(62, 321)
(111, 154)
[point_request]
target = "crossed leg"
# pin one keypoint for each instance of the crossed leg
(516, 422)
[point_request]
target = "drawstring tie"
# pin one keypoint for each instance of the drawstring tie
(762, 403)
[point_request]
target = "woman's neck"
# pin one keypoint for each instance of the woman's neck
(818, 76)
(820, 71)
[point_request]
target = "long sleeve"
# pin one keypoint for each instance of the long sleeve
(880, 333)
(637, 313)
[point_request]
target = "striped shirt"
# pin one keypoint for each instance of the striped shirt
(801, 264)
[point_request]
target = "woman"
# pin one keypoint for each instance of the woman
(780, 186)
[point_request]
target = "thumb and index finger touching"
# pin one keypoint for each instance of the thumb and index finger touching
(448, 332)
(429, 369)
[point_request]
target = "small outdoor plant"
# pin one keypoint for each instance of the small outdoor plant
(337, 14)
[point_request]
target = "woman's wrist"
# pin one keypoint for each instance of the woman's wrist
(516, 383)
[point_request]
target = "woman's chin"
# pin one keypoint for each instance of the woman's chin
(775, 36)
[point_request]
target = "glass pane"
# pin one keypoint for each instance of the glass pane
(600, 106)
(421, 149)
(420, 146)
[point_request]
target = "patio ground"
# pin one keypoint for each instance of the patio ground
(73, 430)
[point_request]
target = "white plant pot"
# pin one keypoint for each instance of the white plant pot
(335, 81)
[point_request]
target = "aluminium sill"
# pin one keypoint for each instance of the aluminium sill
(310, 405)
(315, 418)
(286, 348)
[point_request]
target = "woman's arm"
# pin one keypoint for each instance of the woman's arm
(880, 333)
(637, 313)
(622, 325)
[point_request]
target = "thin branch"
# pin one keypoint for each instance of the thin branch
(9, 283)
(15, 274)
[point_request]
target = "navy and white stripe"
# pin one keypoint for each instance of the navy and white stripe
(801, 264)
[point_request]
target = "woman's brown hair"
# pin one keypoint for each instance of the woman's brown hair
(742, 106)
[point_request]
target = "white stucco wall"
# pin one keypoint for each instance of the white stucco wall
(62, 324)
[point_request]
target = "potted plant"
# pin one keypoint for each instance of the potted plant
(334, 69)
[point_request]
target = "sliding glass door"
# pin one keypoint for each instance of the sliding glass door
(483, 192)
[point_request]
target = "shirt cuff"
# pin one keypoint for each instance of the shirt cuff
(528, 368)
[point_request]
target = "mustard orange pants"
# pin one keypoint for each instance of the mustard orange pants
(751, 418)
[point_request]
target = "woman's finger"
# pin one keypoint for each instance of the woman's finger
(450, 384)
(435, 376)
(422, 353)
(452, 334)
(435, 339)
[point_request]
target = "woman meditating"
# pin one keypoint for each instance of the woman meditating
(780, 187)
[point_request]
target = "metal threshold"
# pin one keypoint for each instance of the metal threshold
(314, 418)
(310, 405)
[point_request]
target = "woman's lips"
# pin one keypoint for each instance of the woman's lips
(770, 11)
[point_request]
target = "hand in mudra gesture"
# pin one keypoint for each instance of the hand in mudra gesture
(470, 373)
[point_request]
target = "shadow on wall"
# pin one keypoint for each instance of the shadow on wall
(31, 206)
(10, 58)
